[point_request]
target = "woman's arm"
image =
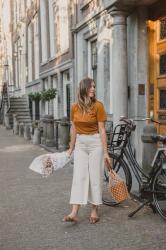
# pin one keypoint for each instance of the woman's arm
(72, 138)
(104, 142)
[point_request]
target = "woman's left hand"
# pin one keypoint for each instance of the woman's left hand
(107, 161)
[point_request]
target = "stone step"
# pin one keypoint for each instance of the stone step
(23, 116)
(19, 111)
(21, 102)
(24, 121)
(17, 99)
(20, 107)
(18, 103)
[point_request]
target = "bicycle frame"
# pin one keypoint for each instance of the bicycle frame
(126, 153)
(120, 146)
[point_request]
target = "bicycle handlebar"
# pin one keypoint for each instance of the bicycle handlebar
(147, 119)
(130, 122)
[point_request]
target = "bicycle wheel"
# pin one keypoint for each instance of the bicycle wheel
(159, 192)
(121, 168)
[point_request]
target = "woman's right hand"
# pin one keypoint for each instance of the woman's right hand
(107, 161)
(69, 152)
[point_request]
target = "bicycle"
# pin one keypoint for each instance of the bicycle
(152, 186)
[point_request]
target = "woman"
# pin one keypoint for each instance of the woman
(89, 142)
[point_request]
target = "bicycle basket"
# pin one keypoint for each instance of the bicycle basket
(119, 136)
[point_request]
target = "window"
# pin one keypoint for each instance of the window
(30, 52)
(37, 110)
(68, 100)
(15, 65)
(93, 54)
(162, 64)
(94, 59)
(20, 69)
(66, 92)
(163, 99)
(45, 81)
(36, 46)
(46, 103)
(63, 25)
(52, 28)
(43, 20)
(163, 29)
(54, 84)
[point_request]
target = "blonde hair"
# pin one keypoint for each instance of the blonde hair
(84, 101)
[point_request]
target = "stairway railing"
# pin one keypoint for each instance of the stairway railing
(4, 93)
(8, 97)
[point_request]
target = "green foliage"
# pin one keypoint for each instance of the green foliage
(45, 95)
(48, 95)
(36, 96)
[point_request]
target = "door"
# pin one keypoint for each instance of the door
(157, 72)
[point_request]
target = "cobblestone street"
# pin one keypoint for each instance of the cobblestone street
(32, 208)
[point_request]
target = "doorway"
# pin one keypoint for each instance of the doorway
(157, 72)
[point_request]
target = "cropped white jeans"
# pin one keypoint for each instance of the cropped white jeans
(88, 170)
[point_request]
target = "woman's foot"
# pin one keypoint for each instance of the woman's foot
(70, 218)
(94, 218)
(73, 216)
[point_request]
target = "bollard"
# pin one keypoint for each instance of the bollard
(64, 134)
(56, 133)
(149, 146)
(36, 136)
(48, 131)
(27, 132)
(15, 125)
(7, 121)
(21, 129)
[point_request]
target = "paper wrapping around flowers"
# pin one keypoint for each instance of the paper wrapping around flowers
(48, 163)
(47, 166)
(117, 187)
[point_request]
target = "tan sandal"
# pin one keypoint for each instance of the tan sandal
(68, 218)
(94, 220)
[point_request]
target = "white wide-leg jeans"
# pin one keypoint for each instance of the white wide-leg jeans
(88, 170)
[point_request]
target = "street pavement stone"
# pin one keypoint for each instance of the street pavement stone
(32, 208)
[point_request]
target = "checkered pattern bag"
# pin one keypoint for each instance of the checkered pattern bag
(117, 187)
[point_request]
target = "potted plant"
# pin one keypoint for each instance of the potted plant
(48, 95)
(36, 96)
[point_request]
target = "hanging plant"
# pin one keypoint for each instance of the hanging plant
(48, 95)
(36, 96)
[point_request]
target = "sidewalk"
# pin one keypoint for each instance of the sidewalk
(32, 208)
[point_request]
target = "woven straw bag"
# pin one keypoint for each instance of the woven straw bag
(117, 187)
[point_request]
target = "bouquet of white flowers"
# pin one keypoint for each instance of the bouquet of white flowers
(47, 163)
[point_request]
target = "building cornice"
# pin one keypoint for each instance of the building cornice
(60, 67)
(87, 20)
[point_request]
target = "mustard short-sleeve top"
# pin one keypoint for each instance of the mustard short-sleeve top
(88, 123)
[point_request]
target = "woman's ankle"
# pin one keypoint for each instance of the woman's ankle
(75, 210)
(94, 210)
